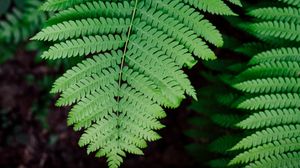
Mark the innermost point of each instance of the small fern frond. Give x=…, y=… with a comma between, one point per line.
x=268, y=135
x=271, y=101
x=267, y=150
x=288, y=160
x=287, y=14
x=291, y=2
x=280, y=54
x=276, y=29
x=85, y=45
x=93, y=9
x=21, y=24
x=271, y=69
x=74, y=29
x=270, y=118
x=270, y=85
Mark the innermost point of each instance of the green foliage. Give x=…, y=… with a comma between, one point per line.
x=275, y=13
x=291, y=2
x=215, y=105
x=268, y=135
x=269, y=118
x=136, y=50
x=281, y=160
x=281, y=54
x=19, y=21
x=266, y=150
x=263, y=95
x=271, y=88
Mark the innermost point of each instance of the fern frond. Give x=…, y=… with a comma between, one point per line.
x=85, y=27
x=291, y=2
x=271, y=101
x=87, y=85
x=135, y=51
x=178, y=31
x=270, y=85
x=93, y=9
x=267, y=89
x=169, y=45
x=288, y=160
x=133, y=132
x=280, y=54
x=276, y=29
x=271, y=69
x=267, y=150
x=269, y=118
x=85, y=45
x=87, y=110
x=191, y=18
x=268, y=135
x=21, y=24
x=85, y=68
x=287, y=14
x=147, y=87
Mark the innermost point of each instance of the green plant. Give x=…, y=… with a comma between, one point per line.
x=270, y=84
x=218, y=132
x=266, y=91
x=19, y=21
x=22, y=22
x=136, y=50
